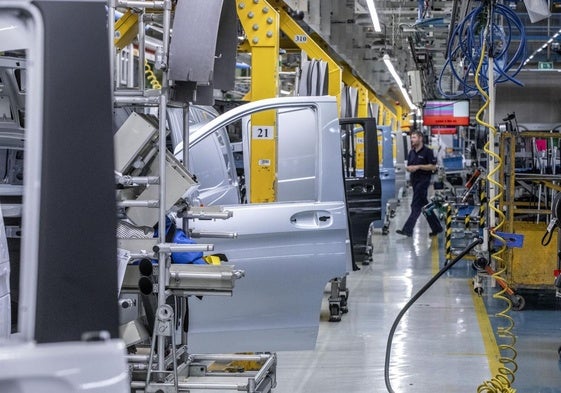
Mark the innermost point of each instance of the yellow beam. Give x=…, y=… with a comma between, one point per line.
x=126, y=29
x=399, y=118
x=362, y=110
x=312, y=49
x=260, y=22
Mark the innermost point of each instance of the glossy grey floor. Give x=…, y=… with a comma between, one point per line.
x=438, y=347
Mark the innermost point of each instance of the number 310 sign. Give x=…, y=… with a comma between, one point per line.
x=262, y=132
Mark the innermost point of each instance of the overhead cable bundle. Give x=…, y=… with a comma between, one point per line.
x=465, y=49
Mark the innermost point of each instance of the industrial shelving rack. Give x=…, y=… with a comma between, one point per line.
x=166, y=366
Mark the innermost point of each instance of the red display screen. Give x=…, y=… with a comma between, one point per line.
x=446, y=113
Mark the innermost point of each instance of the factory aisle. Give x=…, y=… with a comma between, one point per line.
x=445, y=342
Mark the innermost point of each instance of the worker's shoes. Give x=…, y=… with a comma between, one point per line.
x=400, y=232
x=432, y=234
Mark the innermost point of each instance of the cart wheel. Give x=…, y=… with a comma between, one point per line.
x=335, y=313
x=344, y=306
x=518, y=302
x=385, y=230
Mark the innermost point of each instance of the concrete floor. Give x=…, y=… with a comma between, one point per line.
x=446, y=342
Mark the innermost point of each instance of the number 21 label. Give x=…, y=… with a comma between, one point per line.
x=262, y=132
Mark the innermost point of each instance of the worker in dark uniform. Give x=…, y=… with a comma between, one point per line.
x=421, y=163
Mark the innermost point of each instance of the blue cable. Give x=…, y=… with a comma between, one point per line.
x=466, y=42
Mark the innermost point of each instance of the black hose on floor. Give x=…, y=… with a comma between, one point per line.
x=415, y=297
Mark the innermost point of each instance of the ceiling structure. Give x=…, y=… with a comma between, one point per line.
x=415, y=34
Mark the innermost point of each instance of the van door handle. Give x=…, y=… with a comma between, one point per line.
x=311, y=219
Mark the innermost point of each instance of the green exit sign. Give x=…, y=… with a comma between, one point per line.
x=545, y=65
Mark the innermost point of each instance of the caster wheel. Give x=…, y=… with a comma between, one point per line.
x=335, y=313
x=518, y=302
x=344, y=305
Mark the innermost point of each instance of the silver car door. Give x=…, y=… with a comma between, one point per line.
x=289, y=249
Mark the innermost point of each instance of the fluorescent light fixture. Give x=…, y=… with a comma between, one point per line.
x=397, y=79
x=374, y=15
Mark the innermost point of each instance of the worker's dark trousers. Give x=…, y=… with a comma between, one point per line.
x=418, y=201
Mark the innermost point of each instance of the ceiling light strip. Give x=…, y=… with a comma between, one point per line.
x=404, y=92
x=374, y=16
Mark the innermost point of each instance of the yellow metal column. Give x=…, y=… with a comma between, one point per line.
x=261, y=25
x=399, y=118
x=313, y=50
x=391, y=115
x=362, y=101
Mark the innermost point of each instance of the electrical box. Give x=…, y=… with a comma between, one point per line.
x=415, y=86
x=132, y=139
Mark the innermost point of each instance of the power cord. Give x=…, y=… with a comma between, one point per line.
x=415, y=297
x=467, y=43
x=501, y=382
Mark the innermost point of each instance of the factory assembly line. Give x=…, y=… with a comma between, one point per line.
x=168, y=293
x=173, y=219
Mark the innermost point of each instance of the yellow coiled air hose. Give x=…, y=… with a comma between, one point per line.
x=502, y=382
x=151, y=77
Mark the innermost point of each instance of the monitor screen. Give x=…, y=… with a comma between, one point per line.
x=446, y=113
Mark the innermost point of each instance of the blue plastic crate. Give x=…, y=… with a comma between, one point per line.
x=455, y=162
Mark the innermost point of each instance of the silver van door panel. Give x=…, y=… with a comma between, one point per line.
x=289, y=252
x=289, y=249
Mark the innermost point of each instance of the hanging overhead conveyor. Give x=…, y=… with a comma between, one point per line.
x=154, y=188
